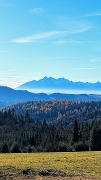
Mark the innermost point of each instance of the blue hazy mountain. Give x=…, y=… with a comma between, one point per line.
x=60, y=83
x=11, y=96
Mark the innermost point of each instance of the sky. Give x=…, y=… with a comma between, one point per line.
x=53, y=38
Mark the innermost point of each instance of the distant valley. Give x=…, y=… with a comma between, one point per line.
x=10, y=96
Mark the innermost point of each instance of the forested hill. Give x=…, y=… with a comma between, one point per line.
x=60, y=111
x=21, y=133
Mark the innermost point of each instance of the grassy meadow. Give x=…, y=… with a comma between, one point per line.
x=76, y=165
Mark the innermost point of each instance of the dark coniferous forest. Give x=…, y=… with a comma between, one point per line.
x=60, y=126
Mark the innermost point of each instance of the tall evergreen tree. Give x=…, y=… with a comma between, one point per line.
x=75, y=131
x=95, y=140
x=15, y=148
x=5, y=148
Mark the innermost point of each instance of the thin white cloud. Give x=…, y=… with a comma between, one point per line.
x=95, y=60
x=36, y=37
x=72, y=42
x=69, y=26
x=12, y=80
x=8, y=71
x=93, y=14
x=79, y=42
x=50, y=34
x=81, y=29
x=74, y=26
x=7, y=81
x=60, y=42
x=12, y=84
x=36, y=10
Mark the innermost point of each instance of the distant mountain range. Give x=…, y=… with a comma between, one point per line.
x=60, y=83
x=10, y=96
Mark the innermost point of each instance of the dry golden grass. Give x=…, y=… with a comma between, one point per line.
x=82, y=165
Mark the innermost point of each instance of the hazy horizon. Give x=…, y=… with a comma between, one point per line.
x=64, y=91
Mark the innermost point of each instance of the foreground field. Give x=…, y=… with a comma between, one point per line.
x=82, y=165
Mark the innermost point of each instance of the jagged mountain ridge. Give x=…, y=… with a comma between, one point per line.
x=60, y=83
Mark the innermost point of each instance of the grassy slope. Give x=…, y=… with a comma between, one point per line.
x=82, y=164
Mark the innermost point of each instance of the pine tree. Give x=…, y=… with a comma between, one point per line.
x=5, y=148
x=75, y=131
x=95, y=140
x=15, y=148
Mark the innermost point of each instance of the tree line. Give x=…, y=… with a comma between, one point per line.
x=22, y=133
x=64, y=111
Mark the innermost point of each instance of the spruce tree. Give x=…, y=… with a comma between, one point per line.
x=5, y=148
x=75, y=131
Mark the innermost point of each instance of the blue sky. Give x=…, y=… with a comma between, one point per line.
x=49, y=38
